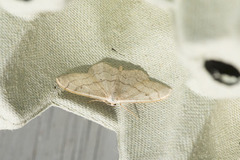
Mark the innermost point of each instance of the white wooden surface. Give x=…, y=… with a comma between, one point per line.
x=59, y=135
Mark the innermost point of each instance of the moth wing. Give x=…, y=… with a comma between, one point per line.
x=83, y=84
x=106, y=75
x=135, y=87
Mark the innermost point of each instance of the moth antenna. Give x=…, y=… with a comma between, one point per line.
x=129, y=111
x=135, y=106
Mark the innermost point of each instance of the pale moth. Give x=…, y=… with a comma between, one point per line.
x=114, y=86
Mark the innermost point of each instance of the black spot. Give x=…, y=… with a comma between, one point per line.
x=114, y=50
x=222, y=72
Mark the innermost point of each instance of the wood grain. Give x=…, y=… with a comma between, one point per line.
x=59, y=135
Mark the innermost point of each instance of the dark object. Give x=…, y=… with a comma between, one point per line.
x=222, y=72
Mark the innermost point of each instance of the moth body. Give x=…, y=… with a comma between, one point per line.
x=111, y=100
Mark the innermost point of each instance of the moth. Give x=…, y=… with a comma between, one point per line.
x=114, y=86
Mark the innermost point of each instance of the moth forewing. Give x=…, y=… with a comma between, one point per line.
x=114, y=86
